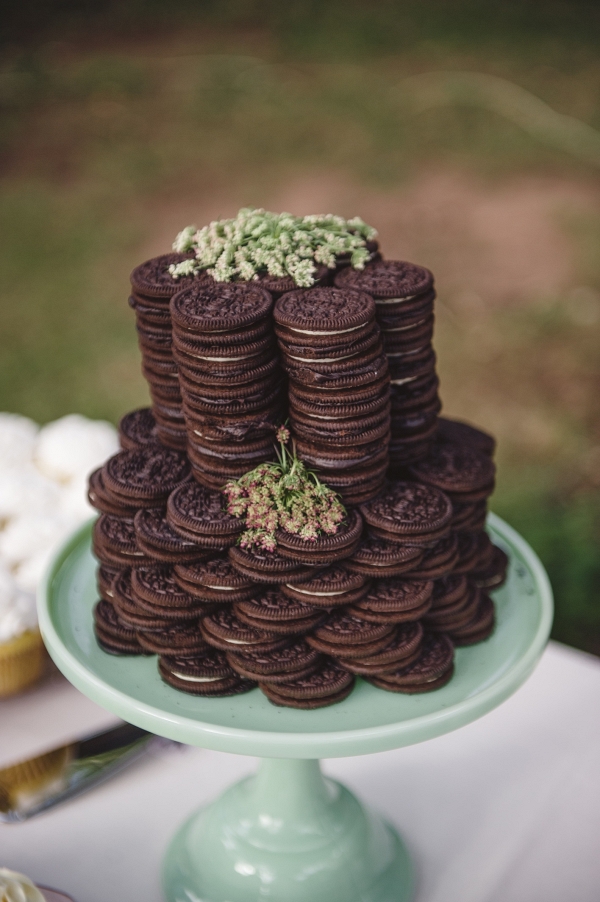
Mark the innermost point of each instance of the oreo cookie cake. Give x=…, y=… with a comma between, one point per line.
x=292, y=513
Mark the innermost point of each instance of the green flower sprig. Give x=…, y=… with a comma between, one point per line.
x=279, y=244
x=283, y=495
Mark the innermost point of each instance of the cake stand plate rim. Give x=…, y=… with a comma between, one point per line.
x=279, y=743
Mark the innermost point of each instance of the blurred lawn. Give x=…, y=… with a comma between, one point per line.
x=121, y=123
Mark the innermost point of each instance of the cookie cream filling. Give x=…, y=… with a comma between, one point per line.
x=221, y=588
x=403, y=381
x=320, y=332
x=318, y=594
x=195, y=679
x=406, y=353
x=405, y=328
x=409, y=297
x=15, y=887
x=321, y=359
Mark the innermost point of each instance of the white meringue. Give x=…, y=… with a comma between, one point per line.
x=17, y=438
x=16, y=887
x=74, y=446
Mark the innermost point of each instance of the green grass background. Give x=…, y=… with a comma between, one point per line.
x=112, y=113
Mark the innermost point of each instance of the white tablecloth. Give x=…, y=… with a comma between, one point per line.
x=506, y=809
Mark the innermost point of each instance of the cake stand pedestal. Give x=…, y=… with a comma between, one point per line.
x=287, y=834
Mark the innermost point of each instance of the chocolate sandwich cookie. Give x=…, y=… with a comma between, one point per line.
x=432, y=669
x=326, y=685
x=134, y=616
x=267, y=567
x=152, y=280
x=456, y=431
x=114, y=543
x=357, y=486
x=137, y=429
x=196, y=342
x=207, y=674
x=103, y=501
x=448, y=590
x=111, y=634
x=327, y=456
x=195, y=369
x=223, y=630
x=408, y=338
x=300, y=352
x=408, y=512
x=464, y=474
x=318, y=404
x=391, y=315
x=325, y=549
x=494, y=575
x=297, y=659
x=363, y=373
x=344, y=635
x=454, y=616
x=395, y=600
x=250, y=452
x=480, y=627
x=407, y=368
x=321, y=435
x=219, y=307
x=105, y=577
x=439, y=560
x=326, y=313
x=199, y=514
x=215, y=580
x=201, y=401
x=469, y=517
x=272, y=611
x=145, y=477
x=157, y=586
x=344, y=431
x=221, y=379
x=158, y=540
x=181, y=639
x=333, y=587
x=327, y=395
x=310, y=371
x=377, y=558
x=207, y=352
x=250, y=427
x=404, y=648
x=395, y=280
x=468, y=552
x=414, y=394
x=210, y=472
x=277, y=285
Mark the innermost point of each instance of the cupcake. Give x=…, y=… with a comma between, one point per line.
x=22, y=654
x=15, y=887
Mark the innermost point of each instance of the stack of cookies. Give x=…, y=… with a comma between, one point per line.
x=404, y=297
x=232, y=387
x=339, y=394
x=132, y=535
x=152, y=287
x=405, y=577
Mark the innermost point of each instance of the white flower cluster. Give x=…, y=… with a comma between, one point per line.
x=279, y=244
x=43, y=497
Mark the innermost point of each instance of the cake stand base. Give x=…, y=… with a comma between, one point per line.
x=287, y=834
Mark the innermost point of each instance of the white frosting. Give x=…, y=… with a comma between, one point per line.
x=16, y=887
x=74, y=446
x=25, y=489
x=30, y=534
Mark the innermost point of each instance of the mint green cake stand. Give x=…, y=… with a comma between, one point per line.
x=287, y=834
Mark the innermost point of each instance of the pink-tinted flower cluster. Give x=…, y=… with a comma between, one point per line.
x=285, y=496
